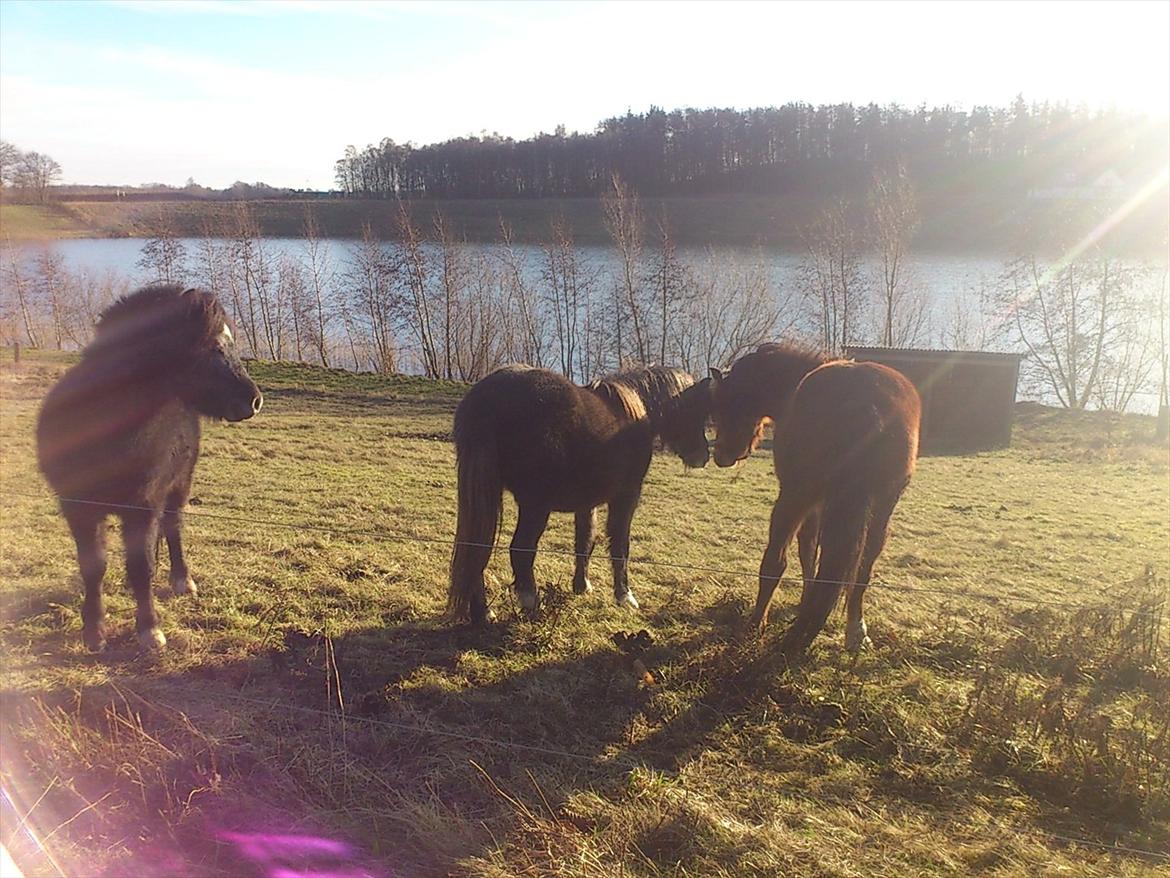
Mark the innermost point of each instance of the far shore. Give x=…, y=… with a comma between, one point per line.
x=774, y=222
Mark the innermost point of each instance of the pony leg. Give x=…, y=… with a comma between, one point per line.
x=172, y=524
x=856, y=631
x=89, y=533
x=808, y=538
x=843, y=539
x=617, y=527
x=586, y=537
x=139, y=536
x=529, y=528
x=787, y=515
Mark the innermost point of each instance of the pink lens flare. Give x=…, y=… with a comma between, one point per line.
x=286, y=855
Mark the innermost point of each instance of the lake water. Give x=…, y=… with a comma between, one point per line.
x=941, y=276
x=946, y=281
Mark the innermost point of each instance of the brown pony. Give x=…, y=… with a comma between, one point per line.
x=846, y=440
x=119, y=435
x=562, y=448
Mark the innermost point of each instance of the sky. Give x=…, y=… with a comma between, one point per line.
x=129, y=93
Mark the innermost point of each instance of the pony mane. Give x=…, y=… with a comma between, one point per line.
x=796, y=352
x=643, y=393
x=160, y=310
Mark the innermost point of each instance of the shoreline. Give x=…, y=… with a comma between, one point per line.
x=771, y=223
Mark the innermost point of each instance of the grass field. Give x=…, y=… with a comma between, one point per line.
x=712, y=220
x=313, y=711
x=23, y=222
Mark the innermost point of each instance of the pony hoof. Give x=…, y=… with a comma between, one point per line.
x=628, y=600
x=751, y=628
x=481, y=616
x=582, y=586
x=857, y=638
x=184, y=585
x=529, y=602
x=95, y=641
x=152, y=640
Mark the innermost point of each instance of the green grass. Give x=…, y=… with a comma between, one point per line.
x=22, y=222
x=975, y=734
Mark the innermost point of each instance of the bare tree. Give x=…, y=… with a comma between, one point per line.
x=18, y=284
x=34, y=173
x=257, y=297
x=1068, y=316
x=732, y=309
x=375, y=304
x=893, y=220
x=322, y=285
x=569, y=287
x=246, y=269
x=831, y=278
x=480, y=320
x=293, y=291
x=50, y=285
x=9, y=158
x=452, y=278
x=1127, y=367
x=622, y=216
x=415, y=277
x=965, y=316
x=527, y=331
x=669, y=281
x=164, y=257
x=93, y=294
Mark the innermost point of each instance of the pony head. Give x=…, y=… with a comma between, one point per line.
x=180, y=339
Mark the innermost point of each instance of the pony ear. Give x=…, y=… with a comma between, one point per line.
x=716, y=375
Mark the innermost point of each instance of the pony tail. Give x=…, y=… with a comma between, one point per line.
x=843, y=537
x=480, y=495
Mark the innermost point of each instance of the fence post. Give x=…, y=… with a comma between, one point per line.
x=16, y=353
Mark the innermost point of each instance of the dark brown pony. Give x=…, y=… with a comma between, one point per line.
x=845, y=444
x=119, y=435
x=558, y=447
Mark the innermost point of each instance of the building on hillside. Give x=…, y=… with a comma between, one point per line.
x=1106, y=186
x=968, y=397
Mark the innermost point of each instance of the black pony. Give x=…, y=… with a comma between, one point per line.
x=119, y=435
x=562, y=448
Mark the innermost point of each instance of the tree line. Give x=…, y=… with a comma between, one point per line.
x=26, y=175
x=762, y=150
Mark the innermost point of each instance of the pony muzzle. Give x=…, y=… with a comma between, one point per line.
x=725, y=459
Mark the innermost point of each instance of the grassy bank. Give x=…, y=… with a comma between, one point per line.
x=313, y=709
x=723, y=220
x=31, y=222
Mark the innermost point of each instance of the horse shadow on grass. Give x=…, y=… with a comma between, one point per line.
x=388, y=751
x=406, y=749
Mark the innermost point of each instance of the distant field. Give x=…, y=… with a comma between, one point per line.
x=21, y=222
x=313, y=689
x=717, y=220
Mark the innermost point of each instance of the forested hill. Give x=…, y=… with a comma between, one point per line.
x=774, y=150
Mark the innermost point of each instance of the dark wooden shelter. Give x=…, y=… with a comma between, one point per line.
x=968, y=397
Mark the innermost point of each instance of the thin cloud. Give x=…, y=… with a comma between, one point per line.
x=189, y=7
